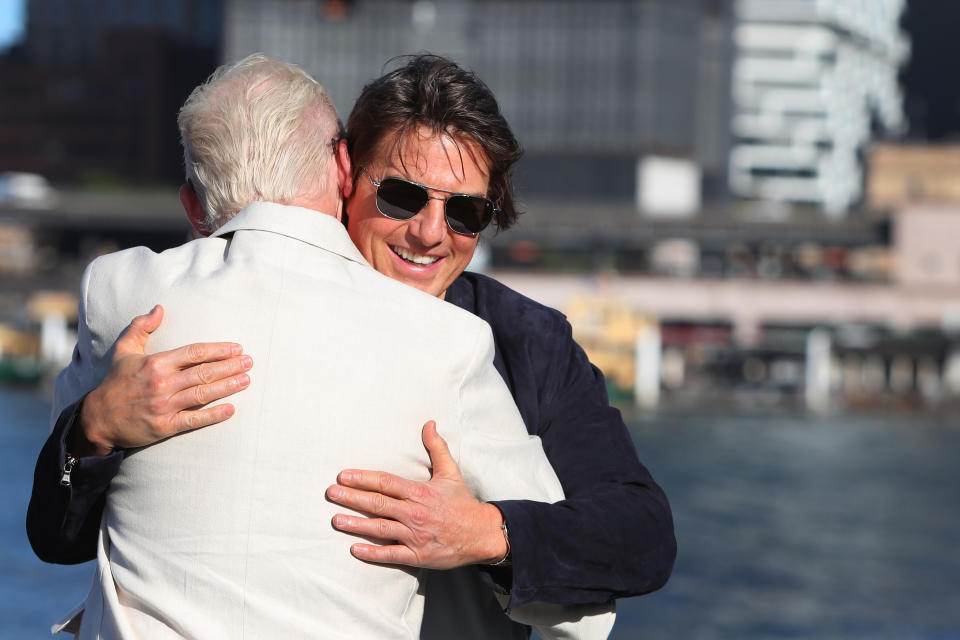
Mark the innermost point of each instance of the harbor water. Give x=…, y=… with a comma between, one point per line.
x=789, y=526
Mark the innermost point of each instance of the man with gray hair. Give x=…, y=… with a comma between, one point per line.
x=225, y=532
x=259, y=130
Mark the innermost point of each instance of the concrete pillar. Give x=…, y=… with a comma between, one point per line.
x=817, y=389
x=901, y=374
x=851, y=368
x=55, y=342
x=754, y=370
x=646, y=386
x=951, y=373
x=928, y=379
x=873, y=375
x=673, y=369
x=836, y=372
x=746, y=330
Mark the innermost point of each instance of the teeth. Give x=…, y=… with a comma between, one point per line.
x=414, y=257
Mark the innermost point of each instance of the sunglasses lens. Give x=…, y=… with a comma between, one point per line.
x=399, y=199
x=468, y=214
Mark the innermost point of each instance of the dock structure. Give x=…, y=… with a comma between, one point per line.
x=748, y=305
x=857, y=341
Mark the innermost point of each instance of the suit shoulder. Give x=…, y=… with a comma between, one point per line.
x=120, y=285
x=441, y=312
x=141, y=261
x=509, y=312
x=121, y=258
x=104, y=269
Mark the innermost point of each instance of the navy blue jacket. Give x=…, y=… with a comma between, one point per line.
x=612, y=536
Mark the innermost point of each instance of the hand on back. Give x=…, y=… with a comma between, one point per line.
x=147, y=398
x=437, y=524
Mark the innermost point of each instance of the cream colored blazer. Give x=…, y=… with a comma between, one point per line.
x=225, y=532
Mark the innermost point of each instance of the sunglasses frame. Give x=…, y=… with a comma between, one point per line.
x=427, y=189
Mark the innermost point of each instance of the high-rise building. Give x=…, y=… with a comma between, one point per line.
x=813, y=82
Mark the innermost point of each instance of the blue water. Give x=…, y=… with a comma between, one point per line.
x=791, y=527
x=844, y=527
x=33, y=595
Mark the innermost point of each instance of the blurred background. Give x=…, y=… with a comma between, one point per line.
x=748, y=209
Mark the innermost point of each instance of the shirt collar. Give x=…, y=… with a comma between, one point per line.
x=307, y=225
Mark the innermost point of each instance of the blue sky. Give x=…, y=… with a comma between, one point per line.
x=11, y=21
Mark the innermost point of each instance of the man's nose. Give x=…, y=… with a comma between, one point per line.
x=429, y=226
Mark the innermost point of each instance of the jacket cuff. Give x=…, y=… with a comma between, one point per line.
x=90, y=476
x=534, y=563
x=514, y=579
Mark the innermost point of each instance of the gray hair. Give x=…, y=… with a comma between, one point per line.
x=256, y=130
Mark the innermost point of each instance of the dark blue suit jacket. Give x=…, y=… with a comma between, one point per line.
x=612, y=536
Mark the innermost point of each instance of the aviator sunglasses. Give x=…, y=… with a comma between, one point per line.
x=400, y=199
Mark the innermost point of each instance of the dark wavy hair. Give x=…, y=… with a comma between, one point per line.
x=435, y=92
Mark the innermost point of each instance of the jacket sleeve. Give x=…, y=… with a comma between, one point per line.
x=499, y=459
x=613, y=535
x=63, y=517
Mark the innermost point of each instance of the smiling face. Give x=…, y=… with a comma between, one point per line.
x=422, y=252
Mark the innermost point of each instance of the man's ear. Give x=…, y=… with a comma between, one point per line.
x=344, y=170
x=195, y=214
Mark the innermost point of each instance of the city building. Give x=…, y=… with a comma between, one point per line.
x=92, y=92
x=916, y=185
x=71, y=34
x=812, y=81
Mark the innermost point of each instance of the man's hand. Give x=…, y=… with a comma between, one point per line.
x=145, y=399
x=436, y=524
